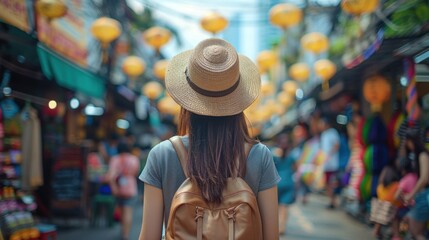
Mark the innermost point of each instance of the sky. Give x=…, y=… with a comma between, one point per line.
x=184, y=16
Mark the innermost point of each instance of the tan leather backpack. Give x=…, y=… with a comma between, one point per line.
x=237, y=217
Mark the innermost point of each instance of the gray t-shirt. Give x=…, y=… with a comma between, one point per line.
x=163, y=170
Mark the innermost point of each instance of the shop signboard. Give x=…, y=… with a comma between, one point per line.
x=68, y=192
x=70, y=34
x=14, y=12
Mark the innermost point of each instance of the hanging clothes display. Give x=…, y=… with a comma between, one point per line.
x=32, y=176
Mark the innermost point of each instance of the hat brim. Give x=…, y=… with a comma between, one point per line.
x=237, y=101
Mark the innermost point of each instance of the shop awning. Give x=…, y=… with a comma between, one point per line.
x=70, y=75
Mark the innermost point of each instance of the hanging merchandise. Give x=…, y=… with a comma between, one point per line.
x=16, y=220
x=356, y=159
x=412, y=106
x=375, y=156
x=31, y=149
x=376, y=90
x=393, y=139
x=9, y=108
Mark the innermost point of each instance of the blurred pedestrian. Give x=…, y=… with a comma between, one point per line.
x=123, y=169
x=285, y=164
x=109, y=147
x=408, y=181
x=419, y=212
x=213, y=85
x=307, y=164
x=330, y=145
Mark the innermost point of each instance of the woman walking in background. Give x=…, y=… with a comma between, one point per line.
x=123, y=169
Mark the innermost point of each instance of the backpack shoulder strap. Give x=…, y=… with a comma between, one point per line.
x=181, y=152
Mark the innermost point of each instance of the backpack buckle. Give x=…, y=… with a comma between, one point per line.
x=231, y=214
x=199, y=213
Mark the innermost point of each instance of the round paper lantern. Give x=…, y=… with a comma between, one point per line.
x=324, y=69
x=285, y=15
x=266, y=60
x=267, y=88
x=299, y=72
x=106, y=30
x=359, y=7
x=133, y=66
x=276, y=107
x=290, y=87
x=168, y=106
x=285, y=98
x=315, y=42
x=213, y=22
x=159, y=69
x=156, y=37
x=152, y=90
x=263, y=113
x=51, y=8
x=376, y=90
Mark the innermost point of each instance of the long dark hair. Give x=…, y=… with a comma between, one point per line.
x=215, y=145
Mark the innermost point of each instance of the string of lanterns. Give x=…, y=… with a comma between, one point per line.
x=284, y=15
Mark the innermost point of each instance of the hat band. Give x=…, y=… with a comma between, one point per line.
x=208, y=93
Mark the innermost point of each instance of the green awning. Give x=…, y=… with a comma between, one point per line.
x=69, y=75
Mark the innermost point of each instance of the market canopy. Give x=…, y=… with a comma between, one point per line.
x=70, y=75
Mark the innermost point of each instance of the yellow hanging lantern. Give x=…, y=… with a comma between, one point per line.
x=359, y=7
x=133, y=66
x=285, y=15
x=106, y=30
x=299, y=72
x=324, y=69
x=168, y=106
x=152, y=90
x=267, y=88
x=315, y=42
x=266, y=60
x=159, y=69
x=377, y=90
x=274, y=107
x=285, y=99
x=156, y=37
x=213, y=22
x=278, y=108
x=290, y=87
x=51, y=9
x=263, y=114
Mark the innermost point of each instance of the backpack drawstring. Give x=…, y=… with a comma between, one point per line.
x=231, y=220
x=199, y=214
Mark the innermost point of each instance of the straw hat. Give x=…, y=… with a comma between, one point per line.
x=212, y=79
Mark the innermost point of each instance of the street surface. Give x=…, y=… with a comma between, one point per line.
x=311, y=221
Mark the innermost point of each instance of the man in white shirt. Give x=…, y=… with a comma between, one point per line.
x=330, y=144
